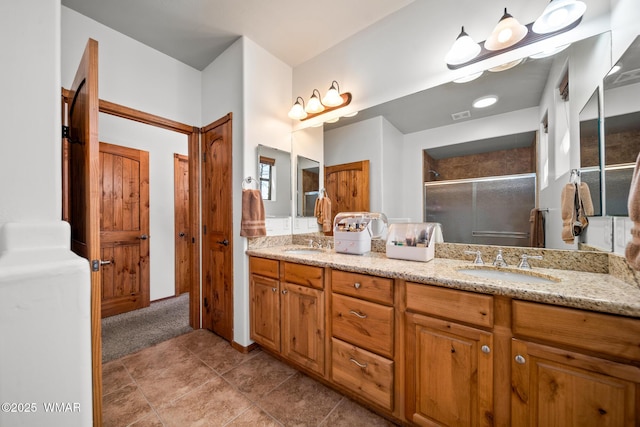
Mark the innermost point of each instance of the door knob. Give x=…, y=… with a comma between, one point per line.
x=143, y=237
x=181, y=234
x=223, y=242
x=103, y=262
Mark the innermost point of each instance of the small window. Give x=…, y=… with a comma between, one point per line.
x=267, y=172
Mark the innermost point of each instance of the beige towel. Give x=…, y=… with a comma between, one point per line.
x=568, y=212
x=327, y=220
x=252, y=224
x=585, y=198
x=317, y=210
x=632, y=251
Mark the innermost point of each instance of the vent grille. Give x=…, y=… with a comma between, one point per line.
x=461, y=115
x=628, y=76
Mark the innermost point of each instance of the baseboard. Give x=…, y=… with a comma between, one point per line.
x=243, y=349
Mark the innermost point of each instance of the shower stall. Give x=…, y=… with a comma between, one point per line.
x=489, y=211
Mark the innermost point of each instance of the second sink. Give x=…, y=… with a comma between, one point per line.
x=511, y=276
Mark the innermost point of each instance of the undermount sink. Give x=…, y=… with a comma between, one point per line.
x=511, y=276
x=302, y=251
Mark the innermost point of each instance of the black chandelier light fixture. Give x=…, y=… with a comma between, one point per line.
x=558, y=17
x=316, y=106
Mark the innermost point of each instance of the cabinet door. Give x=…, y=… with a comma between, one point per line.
x=553, y=387
x=303, y=326
x=449, y=373
x=265, y=311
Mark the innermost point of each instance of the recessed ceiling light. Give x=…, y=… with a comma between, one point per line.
x=485, y=101
x=468, y=78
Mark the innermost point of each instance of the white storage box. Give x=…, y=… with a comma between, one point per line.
x=413, y=241
x=353, y=231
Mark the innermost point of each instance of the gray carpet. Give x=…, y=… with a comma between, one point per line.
x=129, y=332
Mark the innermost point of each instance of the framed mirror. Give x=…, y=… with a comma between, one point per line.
x=308, y=185
x=274, y=180
x=590, y=145
x=621, y=129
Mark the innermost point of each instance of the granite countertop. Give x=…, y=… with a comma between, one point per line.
x=591, y=291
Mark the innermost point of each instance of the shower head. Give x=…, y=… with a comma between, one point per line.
x=436, y=174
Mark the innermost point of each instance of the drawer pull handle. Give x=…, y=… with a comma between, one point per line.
x=360, y=315
x=360, y=365
x=357, y=285
x=521, y=360
x=485, y=349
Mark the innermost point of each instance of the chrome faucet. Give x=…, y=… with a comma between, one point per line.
x=478, y=255
x=315, y=244
x=499, y=261
x=524, y=260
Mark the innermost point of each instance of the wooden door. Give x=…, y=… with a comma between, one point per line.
x=83, y=195
x=557, y=388
x=264, y=294
x=124, y=228
x=181, y=221
x=217, y=229
x=347, y=186
x=303, y=325
x=449, y=373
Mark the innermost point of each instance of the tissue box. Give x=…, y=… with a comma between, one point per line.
x=412, y=241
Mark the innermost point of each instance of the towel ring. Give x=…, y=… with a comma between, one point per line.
x=248, y=181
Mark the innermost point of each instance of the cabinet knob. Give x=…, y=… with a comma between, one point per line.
x=520, y=359
x=274, y=289
x=485, y=349
x=357, y=285
x=284, y=291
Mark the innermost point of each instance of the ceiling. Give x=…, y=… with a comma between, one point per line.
x=197, y=31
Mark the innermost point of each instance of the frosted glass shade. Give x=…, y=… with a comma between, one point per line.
x=507, y=33
x=464, y=49
x=297, y=111
x=314, y=105
x=332, y=98
x=557, y=15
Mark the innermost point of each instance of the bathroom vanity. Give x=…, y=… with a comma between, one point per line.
x=430, y=344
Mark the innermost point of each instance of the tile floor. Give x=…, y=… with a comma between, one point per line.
x=198, y=379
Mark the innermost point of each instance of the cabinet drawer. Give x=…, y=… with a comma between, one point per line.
x=264, y=267
x=602, y=333
x=366, y=374
x=363, y=323
x=371, y=288
x=305, y=275
x=462, y=306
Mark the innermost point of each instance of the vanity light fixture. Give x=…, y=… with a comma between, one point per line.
x=507, y=33
x=314, y=106
x=559, y=14
x=297, y=110
x=485, y=101
x=558, y=17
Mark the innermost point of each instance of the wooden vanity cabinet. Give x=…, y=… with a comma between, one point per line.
x=288, y=315
x=573, y=367
x=362, y=325
x=449, y=357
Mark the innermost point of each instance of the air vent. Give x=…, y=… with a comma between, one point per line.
x=461, y=115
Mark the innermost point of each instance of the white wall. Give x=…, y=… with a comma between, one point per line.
x=131, y=73
x=161, y=145
x=30, y=45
